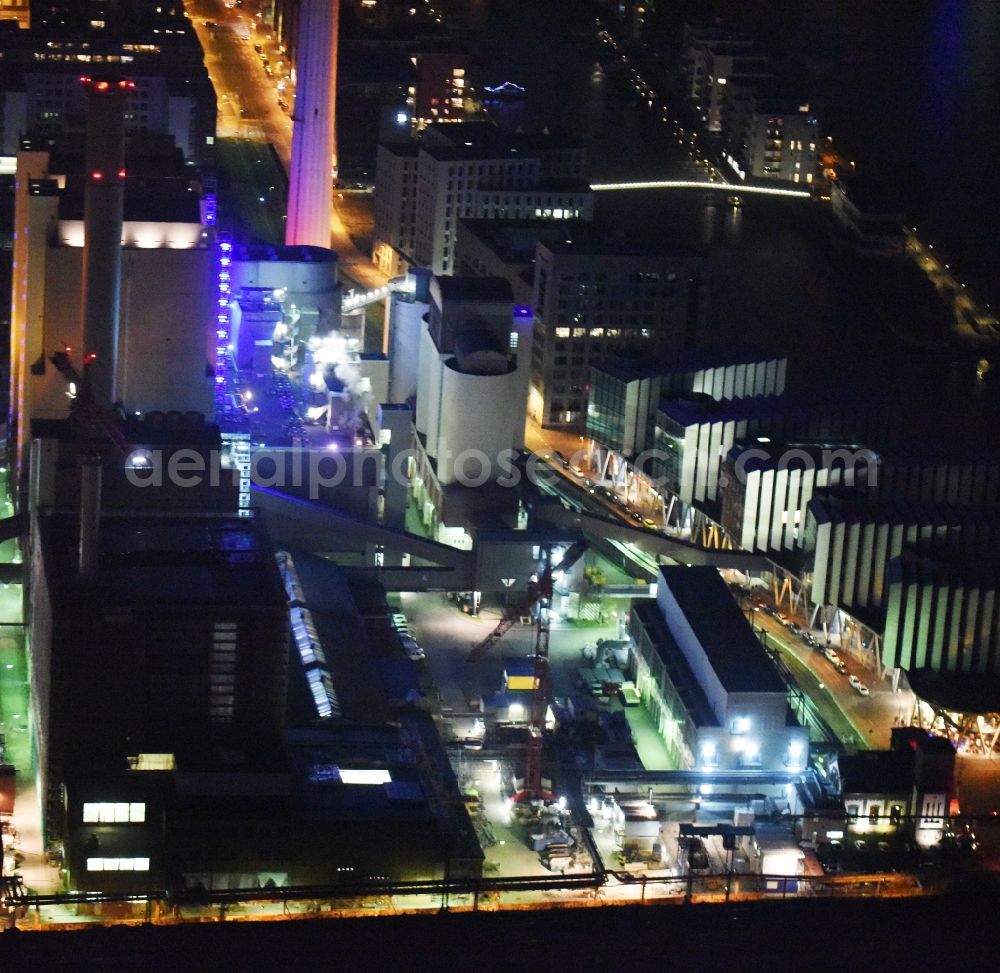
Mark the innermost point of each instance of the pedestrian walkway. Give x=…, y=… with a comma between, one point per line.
x=648, y=742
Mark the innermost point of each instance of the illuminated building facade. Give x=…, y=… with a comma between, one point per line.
x=782, y=141
x=767, y=488
x=167, y=299
x=469, y=171
x=712, y=693
x=19, y=10
x=439, y=89
x=595, y=298
x=314, y=138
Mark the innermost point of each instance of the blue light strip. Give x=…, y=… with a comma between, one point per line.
x=222, y=322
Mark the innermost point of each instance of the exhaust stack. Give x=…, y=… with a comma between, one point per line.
x=102, y=215
x=314, y=136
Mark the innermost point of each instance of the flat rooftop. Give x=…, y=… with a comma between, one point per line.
x=155, y=200
x=737, y=658
x=161, y=559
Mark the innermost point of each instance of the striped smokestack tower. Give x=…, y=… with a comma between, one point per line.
x=102, y=217
x=314, y=139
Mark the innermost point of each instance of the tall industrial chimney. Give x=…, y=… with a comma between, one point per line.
x=314, y=138
x=102, y=217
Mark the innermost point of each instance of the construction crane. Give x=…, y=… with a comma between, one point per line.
x=532, y=788
x=513, y=612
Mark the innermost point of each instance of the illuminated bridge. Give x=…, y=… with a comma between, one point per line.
x=720, y=187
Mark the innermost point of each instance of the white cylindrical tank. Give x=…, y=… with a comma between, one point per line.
x=407, y=319
x=479, y=419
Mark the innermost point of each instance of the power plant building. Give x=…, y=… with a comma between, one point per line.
x=713, y=694
x=166, y=298
x=472, y=384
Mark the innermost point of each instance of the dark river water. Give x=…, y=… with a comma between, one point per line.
x=912, y=97
x=909, y=89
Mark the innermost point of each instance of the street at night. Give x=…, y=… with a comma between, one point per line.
x=469, y=463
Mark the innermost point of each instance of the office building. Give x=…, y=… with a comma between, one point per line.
x=854, y=539
x=506, y=248
x=395, y=218
x=732, y=76
x=596, y=297
x=469, y=171
x=154, y=43
x=707, y=682
x=943, y=614
x=697, y=45
x=439, y=87
x=693, y=435
x=775, y=139
x=625, y=391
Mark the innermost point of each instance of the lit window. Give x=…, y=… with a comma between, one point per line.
x=562, y=332
x=873, y=814
x=152, y=761
x=117, y=864
x=120, y=812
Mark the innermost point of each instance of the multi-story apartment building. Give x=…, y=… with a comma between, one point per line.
x=776, y=139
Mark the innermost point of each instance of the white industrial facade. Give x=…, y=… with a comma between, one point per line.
x=854, y=541
x=472, y=380
x=167, y=301
x=715, y=697
x=943, y=615
x=767, y=488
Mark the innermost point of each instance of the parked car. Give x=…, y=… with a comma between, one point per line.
x=412, y=648
x=858, y=686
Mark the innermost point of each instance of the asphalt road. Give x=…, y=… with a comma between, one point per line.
x=249, y=110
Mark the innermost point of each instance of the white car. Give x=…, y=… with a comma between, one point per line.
x=858, y=685
x=831, y=655
x=412, y=648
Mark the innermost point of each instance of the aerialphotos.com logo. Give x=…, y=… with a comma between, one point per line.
x=319, y=469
